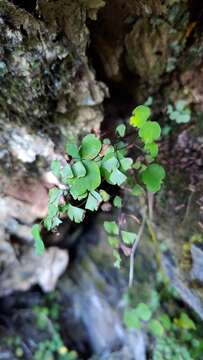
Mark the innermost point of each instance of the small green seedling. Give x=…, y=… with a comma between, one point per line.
x=180, y=113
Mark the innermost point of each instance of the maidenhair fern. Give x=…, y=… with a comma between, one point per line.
x=97, y=162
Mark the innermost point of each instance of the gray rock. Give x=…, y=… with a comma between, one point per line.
x=189, y=296
x=48, y=93
x=89, y=296
x=25, y=147
x=32, y=269
x=197, y=263
x=22, y=232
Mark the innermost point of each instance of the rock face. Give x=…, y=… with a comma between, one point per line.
x=92, y=299
x=32, y=270
x=45, y=79
x=180, y=232
x=48, y=93
x=197, y=263
x=147, y=49
x=186, y=293
x=87, y=306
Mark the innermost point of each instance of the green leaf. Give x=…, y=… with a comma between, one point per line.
x=121, y=129
x=105, y=196
x=170, y=109
x=109, y=150
x=56, y=167
x=93, y=177
x=166, y=130
x=153, y=177
x=111, y=227
x=52, y=210
x=131, y=320
x=184, y=322
x=71, y=181
x=128, y=237
x=90, y=147
x=154, y=300
x=174, y=115
x=140, y=115
x=117, y=201
x=75, y=213
x=108, y=155
x=39, y=245
x=149, y=101
x=181, y=113
x=156, y=328
x=181, y=105
x=78, y=188
x=113, y=241
x=117, y=261
x=63, y=208
x=105, y=175
x=55, y=195
x=110, y=164
x=51, y=221
x=106, y=141
x=83, y=196
x=183, y=118
x=143, y=312
x=56, y=222
x=48, y=223
x=137, y=190
x=93, y=201
x=66, y=174
x=126, y=163
x=150, y=132
x=79, y=169
x=89, y=182
x=121, y=149
x=97, y=195
x=72, y=150
x=117, y=177
x=165, y=321
x=152, y=149
x=137, y=165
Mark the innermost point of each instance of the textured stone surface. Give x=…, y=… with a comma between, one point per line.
x=95, y=306
x=197, y=263
x=48, y=93
x=147, y=49
x=44, y=77
x=143, y=43
x=32, y=269
x=187, y=294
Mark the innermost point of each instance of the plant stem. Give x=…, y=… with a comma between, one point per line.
x=134, y=247
x=150, y=197
x=188, y=207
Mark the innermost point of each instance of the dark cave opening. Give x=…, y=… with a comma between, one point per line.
x=30, y=6
x=118, y=105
